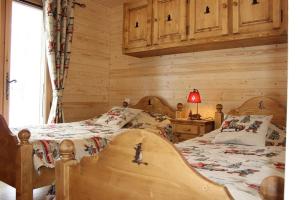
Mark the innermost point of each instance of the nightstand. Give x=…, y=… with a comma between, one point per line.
x=184, y=129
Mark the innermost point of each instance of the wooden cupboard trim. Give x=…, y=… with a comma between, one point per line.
x=183, y=19
x=231, y=34
x=182, y=28
x=235, y=16
x=223, y=28
x=149, y=19
x=224, y=42
x=225, y=15
x=277, y=12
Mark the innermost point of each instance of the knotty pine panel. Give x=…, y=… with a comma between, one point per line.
x=228, y=76
x=86, y=90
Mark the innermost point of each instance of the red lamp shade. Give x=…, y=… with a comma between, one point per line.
x=194, y=97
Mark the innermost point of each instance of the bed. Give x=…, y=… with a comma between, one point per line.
x=142, y=165
x=24, y=163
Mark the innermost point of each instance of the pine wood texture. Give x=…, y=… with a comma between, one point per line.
x=2, y=55
x=5, y=25
x=162, y=174
x=155, y=105
x=228, y=76
x=16, y=164
x=185, y=129
x=137, y=24
x=86, y=90
x=272, y=188
x=263, y=106
x=208, y=18
x=186, y=26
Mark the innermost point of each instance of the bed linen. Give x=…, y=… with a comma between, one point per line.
x=240, y=168
x=89, y=138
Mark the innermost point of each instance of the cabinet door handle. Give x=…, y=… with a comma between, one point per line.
x=187, y=130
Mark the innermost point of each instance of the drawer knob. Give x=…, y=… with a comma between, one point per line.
x=235, y=3
x=224, y=5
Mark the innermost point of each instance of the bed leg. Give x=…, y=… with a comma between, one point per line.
x=24, y=163
x=62, y=175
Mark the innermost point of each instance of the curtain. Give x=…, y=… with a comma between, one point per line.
x=58, y=21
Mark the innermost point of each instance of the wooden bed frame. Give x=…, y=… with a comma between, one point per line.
x=16, y=163
x=143, y=165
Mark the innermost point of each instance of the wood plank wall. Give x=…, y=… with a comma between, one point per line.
x=228, y=76
x=86, y=91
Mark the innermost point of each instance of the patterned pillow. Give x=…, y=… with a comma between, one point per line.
x=117, y=117
x=276, y=136
x=148, y=120
x=245, y=129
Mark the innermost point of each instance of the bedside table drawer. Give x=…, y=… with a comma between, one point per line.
x=183, y=137
x=189, y=129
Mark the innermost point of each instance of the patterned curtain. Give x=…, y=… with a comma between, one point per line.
x=58, y=20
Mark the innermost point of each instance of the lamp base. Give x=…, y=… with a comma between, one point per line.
x=195, y=117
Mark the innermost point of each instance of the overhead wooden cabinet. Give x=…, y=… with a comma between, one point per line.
x=208, y=18
x=169, y=21
x=180, y=26
x=137, y=24
x=256, y=15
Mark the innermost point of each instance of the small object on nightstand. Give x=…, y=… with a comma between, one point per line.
x=185, y=129
x=179, y=111
x=194, y=97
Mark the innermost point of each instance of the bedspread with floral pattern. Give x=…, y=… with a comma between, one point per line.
x=88, y=137
x=240, y=168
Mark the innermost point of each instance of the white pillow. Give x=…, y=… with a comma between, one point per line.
x=117, y=117
x=245, y=130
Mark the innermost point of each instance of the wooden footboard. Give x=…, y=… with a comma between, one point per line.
x=136, y=165
x=16, y=161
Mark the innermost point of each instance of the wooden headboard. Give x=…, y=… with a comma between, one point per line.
x=156, y=105
x=263, y=106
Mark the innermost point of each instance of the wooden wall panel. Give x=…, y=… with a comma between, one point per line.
x=101, y=76
x=227, y=76
x=86, y=91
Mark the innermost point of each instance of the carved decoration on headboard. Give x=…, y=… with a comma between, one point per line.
x=156, y=105
x=263, y=106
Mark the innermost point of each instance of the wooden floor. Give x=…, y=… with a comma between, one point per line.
x=9, y=193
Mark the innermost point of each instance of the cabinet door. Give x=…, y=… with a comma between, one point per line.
x=169, y=21
x=256, y=15
x=208, y=18
x=137, y=24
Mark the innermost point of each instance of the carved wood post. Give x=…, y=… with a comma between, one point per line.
x=219, y=116
x=24, y=164
x=62, y=177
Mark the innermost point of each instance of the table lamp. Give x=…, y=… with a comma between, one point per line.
x=194, y=97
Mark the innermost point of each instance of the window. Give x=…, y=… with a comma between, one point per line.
x=26, y=102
